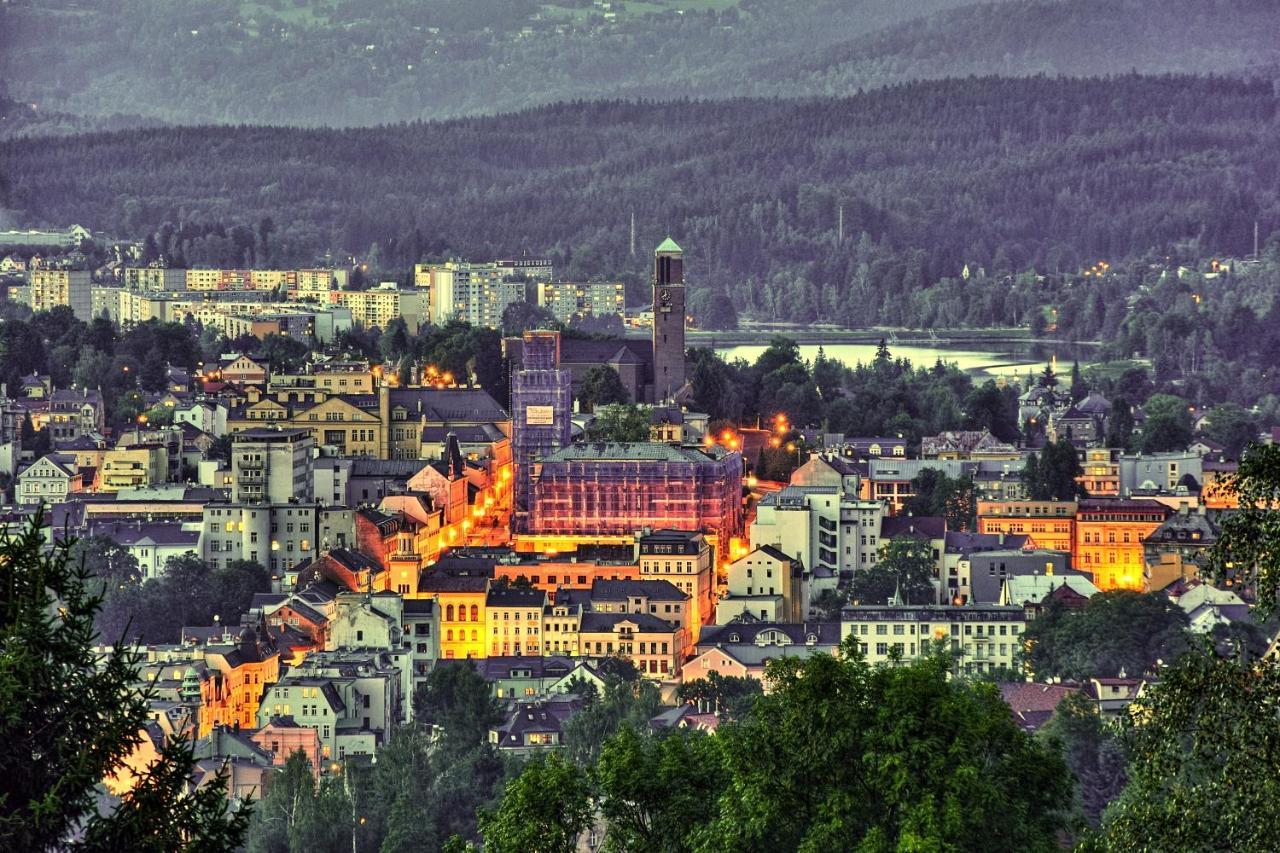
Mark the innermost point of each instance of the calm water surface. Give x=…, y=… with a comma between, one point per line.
x=1012, y=362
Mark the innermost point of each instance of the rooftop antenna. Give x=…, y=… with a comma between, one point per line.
x=633, y=233
x=1255, y=239
x=840, y=227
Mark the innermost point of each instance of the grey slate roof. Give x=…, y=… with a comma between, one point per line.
x=621, y=590
x=637, y=451
x=593, y=622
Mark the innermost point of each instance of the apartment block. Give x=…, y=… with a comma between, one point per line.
x=988, y=637
x=568, y=300
x=50, y=288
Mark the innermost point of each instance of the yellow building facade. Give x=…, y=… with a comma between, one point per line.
x=1109, y=540
x=1050, y=524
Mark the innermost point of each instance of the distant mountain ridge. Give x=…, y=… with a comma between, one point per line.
x=366, y=62
x=1027, y=37
x=342, y=63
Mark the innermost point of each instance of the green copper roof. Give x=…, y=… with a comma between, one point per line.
x=668, y=245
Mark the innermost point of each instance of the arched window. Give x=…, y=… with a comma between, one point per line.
x=462, y=613
x=475, y=613
x=448, y=615
x=448, y=636
x=474, y=635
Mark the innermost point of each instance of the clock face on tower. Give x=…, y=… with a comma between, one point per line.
x=665, y=297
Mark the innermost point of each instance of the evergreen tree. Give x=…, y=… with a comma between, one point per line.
x=1051, y=475
x=602, y=386
x=1120, y=425
x=72, y=716
x=1079, y=387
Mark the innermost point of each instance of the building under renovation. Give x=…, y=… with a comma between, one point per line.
x=541, y=403
x=603, y=489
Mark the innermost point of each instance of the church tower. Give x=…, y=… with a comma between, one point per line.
x=668, y=320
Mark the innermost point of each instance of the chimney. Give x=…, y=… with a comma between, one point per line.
x=454, y=450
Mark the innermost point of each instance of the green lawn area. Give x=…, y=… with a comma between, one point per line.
x=637, y=7
x=642, y=8
x=703, y=5
x=568, y=13
x=1113, y=369
x=305, y=15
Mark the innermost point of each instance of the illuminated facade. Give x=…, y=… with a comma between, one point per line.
x=1050, y=524
x=686, y=561
x=654, y=645
x=385, y=425
x=573, y=570
x=460, y=602
x=514, y=618
x=232, y=682
x=1100, y=472
x=1109, y=539
x=609, y=489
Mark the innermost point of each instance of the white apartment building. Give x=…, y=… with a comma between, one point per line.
x=987, y=637
x=831, y=532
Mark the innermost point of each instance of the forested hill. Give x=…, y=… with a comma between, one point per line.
x=1003, y=174
x=1019, y=37
x=359, y=62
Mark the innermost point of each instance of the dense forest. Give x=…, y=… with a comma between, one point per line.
x=338, y=62
x=998, y=175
